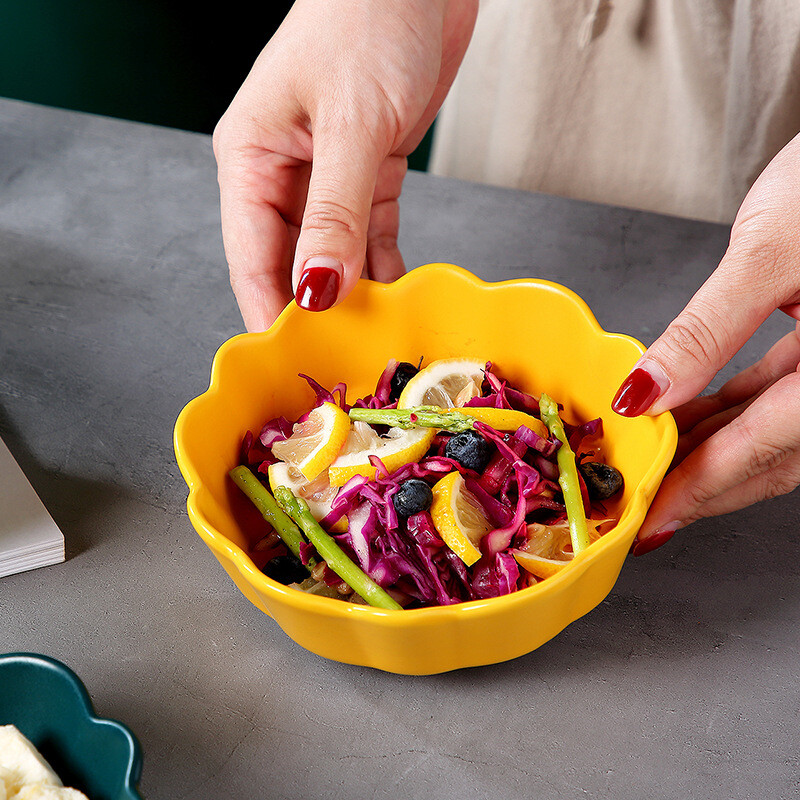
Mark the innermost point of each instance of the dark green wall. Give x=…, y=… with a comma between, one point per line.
x=170, y=63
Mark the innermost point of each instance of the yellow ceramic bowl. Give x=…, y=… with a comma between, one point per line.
x=540, y=335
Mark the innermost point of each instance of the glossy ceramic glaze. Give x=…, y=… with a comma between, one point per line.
x=541, y=336
x=49, y=705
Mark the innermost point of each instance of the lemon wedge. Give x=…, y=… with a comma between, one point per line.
x=539, y=566
x=319, y=494
x=504, y=419
x=316, y=441
x=548, y=548
x=458, y=517
x=396, y=449
x=445, y=383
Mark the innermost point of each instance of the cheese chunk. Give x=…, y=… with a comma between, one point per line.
x=25, y=775
x=22, y=763
x=43, y=791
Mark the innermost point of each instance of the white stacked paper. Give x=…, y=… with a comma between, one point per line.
x=28, y=536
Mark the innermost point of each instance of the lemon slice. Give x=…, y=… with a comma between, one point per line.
x=458, y=517
x=319, y=494
x=548, y=548
x=399, y=447
x=505, y=419
x=538, y=565
x=316, y=441
x=445, y=383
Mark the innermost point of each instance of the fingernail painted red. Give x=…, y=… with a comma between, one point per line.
x=317, y=289
x=652, y=542
x=637, y=393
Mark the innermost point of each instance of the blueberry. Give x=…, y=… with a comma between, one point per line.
x=602, y=480
x=413, y=496
x=470, y=449
x=402, y=375
x=286, y=569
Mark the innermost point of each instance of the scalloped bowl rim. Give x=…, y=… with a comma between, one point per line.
x=133, y=767
x=490, y=606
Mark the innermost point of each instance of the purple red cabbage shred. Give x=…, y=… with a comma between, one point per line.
x=407, y=556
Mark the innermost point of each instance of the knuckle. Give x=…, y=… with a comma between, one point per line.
x=697, y=494
x=383, y=241
x=691, y=489
x=691, y=335
x=330, y=217
x=220, y=137
x=766, y=455
x=344, y=112
x=748, y=239
x=369, y=117
x=217, y=136
x=770, y=455
x=759, y=248
x=779, y=483
x=393, y=109
x=229, y=146
x=242, y=282
x=773, y=464
x=261, y=285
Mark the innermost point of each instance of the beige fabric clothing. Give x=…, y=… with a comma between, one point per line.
x=665, y=105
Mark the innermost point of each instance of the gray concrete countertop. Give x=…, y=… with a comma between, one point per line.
x=114, y=296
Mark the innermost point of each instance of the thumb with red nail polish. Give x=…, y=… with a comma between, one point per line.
x=332, y=244
x=640, y=390
x=312, y=151
x=740, y=444
x=319, y=282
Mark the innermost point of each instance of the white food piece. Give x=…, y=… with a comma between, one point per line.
x=25, y=775
x=43, y=791
x=22, y=762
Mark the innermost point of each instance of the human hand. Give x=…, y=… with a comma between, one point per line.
x=741, y=444
x=312, y=151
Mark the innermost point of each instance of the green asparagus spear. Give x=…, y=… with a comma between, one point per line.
x=419, y=416
x=270, y=510
x=567, y=477
x=336, y=558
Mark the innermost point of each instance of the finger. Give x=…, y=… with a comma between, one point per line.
x=780, y=479
x=690, y=440
x=781, y=359
x=257, y=249
x=701, y=418
x=331, y=247
x=753, y=279
x=383, y=255
x=748, y=460
x=695, y=346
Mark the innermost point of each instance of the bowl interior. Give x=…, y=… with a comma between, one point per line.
x=541, y=336
x=546, y=340
x=49, y=705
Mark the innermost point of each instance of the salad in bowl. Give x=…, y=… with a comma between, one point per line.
x=446, y=484
x=516, y=342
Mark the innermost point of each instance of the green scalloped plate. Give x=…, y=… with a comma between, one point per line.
x=49, y=704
